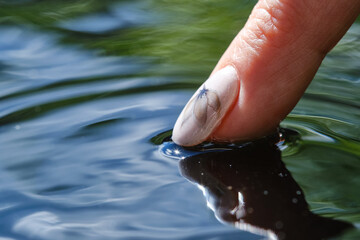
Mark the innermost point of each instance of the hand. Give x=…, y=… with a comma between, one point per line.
x=265, y=70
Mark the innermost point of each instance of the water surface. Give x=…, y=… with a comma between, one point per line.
x=86, y=87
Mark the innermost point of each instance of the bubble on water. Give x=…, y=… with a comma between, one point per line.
x=279, y=224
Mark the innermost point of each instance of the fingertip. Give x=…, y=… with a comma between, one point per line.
x=207, y=107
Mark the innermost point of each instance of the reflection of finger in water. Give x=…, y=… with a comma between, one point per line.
x=251, y=189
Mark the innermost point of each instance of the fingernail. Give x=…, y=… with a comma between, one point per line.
x=206, y=108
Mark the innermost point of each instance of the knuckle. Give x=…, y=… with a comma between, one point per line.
x=273, y=18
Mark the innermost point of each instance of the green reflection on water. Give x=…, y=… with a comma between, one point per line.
x=187, y=39
x=45, y=14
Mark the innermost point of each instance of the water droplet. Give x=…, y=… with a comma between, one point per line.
x=279, y=224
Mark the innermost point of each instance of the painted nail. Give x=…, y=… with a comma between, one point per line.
x=206, y=108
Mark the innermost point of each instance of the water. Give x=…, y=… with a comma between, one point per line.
x=90, y=89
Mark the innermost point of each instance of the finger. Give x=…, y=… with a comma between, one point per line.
x=275, y=57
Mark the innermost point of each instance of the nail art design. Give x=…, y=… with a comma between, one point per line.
x=205, y=110
x=199, y=105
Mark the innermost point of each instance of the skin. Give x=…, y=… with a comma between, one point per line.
x=276, y=55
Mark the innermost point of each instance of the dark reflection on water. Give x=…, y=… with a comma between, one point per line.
x=251, y=188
